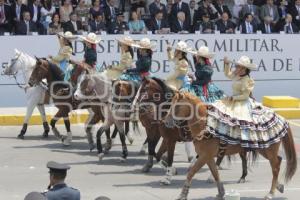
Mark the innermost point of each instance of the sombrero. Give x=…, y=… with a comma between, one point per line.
x=91, y=38
x=67, y=35
x=126, y=40
x=203, y=51
x=246, y=62
x=144, y=43
x=182, y=46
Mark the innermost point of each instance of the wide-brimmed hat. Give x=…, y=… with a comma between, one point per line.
x=246, y=62
x=126, y=40
x=182, y=46
x=144, y=43
x=203, y=51
x=67, y=35
x=91, y=38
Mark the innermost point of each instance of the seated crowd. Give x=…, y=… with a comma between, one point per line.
x=25, y=17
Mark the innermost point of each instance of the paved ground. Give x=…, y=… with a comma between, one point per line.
x=22, y=169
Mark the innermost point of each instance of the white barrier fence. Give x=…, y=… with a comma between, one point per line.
x=276, y=56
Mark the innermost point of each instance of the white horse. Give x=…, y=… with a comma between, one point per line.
x=23, y=65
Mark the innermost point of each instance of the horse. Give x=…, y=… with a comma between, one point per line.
x=23, y=65
x=185, y=105
x=97, y=86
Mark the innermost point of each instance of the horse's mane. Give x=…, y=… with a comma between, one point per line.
x=191, y=97
x=57, y=73
x=166, y=89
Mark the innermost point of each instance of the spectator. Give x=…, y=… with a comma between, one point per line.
x=136, y=25
x=74, y=25
x=169, y=11
x=47, y=12
x=97, y=25
x=119, y=26
x=177, y=7
x=17, y=10
x=224, y=25
x=57, y=187
x=156, y=6
x=248, y=26
x=158, y=24
x=267, y=27
x=295, y=12
x=181, y=25
x=221, y=7
x=237, y=7
x=25, y=26
x=269, y=9
x=250, y=8
x=65, y=10
x=110, y=12
x=96, y=9
x=192, y=13
x=206, y=25
x=5, y=18
x=282, y=9
x=205, y=7
x=82, y=12
x=35, y=14
x=55, y=26
x=288, y=26
x=138, y=6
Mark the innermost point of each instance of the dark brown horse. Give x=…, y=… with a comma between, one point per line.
x=61, y=93
x=188, y=106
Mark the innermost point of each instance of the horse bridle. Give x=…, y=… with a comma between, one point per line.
x=14, y=75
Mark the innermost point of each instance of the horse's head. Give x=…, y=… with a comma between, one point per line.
x=15, y=64
x=123, y=90
x=39, y=72
x=86, y=87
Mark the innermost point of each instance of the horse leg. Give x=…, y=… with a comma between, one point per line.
x=152, y=142
x=243, y=155
x=120, y=126
x=42, y=111
x=161, y=156
x=170, y=170
x=67, y=140
x=114, y=134
x=189, y=150
x=214, y=171
x=53, y=121
x=91, y=122
x=109, y=142
x=202, y=160
x=143, y=150
x=29, y=111
x=128, y=133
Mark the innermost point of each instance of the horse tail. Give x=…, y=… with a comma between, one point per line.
x=136, y=128
x=291, y=155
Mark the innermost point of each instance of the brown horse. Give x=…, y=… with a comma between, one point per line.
x=61, y=93
x=187, y=106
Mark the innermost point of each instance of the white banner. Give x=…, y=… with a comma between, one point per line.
x=276, y=55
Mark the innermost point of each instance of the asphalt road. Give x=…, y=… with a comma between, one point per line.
x=23, y=169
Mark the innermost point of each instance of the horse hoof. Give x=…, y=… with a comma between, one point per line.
x=122, y=160
x=242, y=180
x=130, y=139
x=45, y=135
x=91, y=147
x=21, y=136
x=210, y=180
x=163, y=164
x=219, y=197
x=280, y=188
x=182, y=197
x=146, y=168
x=165, y=181
x=220, y=168
x=269, y=196
x=100, y=156
x=142, y=152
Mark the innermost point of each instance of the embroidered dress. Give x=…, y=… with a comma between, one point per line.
x=125, y=63
x=203, y=87
x=244, y=121
x=179, y=78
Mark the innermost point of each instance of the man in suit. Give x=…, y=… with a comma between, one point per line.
x=181, y=25
x=294, y=10
x=267, y=27
x=17, y=10
x=192, y=13
x=110, y=12
x=248, y=26
x=97, y=25
x=206, y=25
x=35, y=13
x=156, y=6
x=288, y=26
x=57, y=188
x=158, y=23
x=224, y=25
x=180, y=6
x=5, y=18
x=119, y=26
x=269, y=9
x=25, y=26
x=205, y=7
x=221, y=7
x=250, y=8
x=74, y=25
